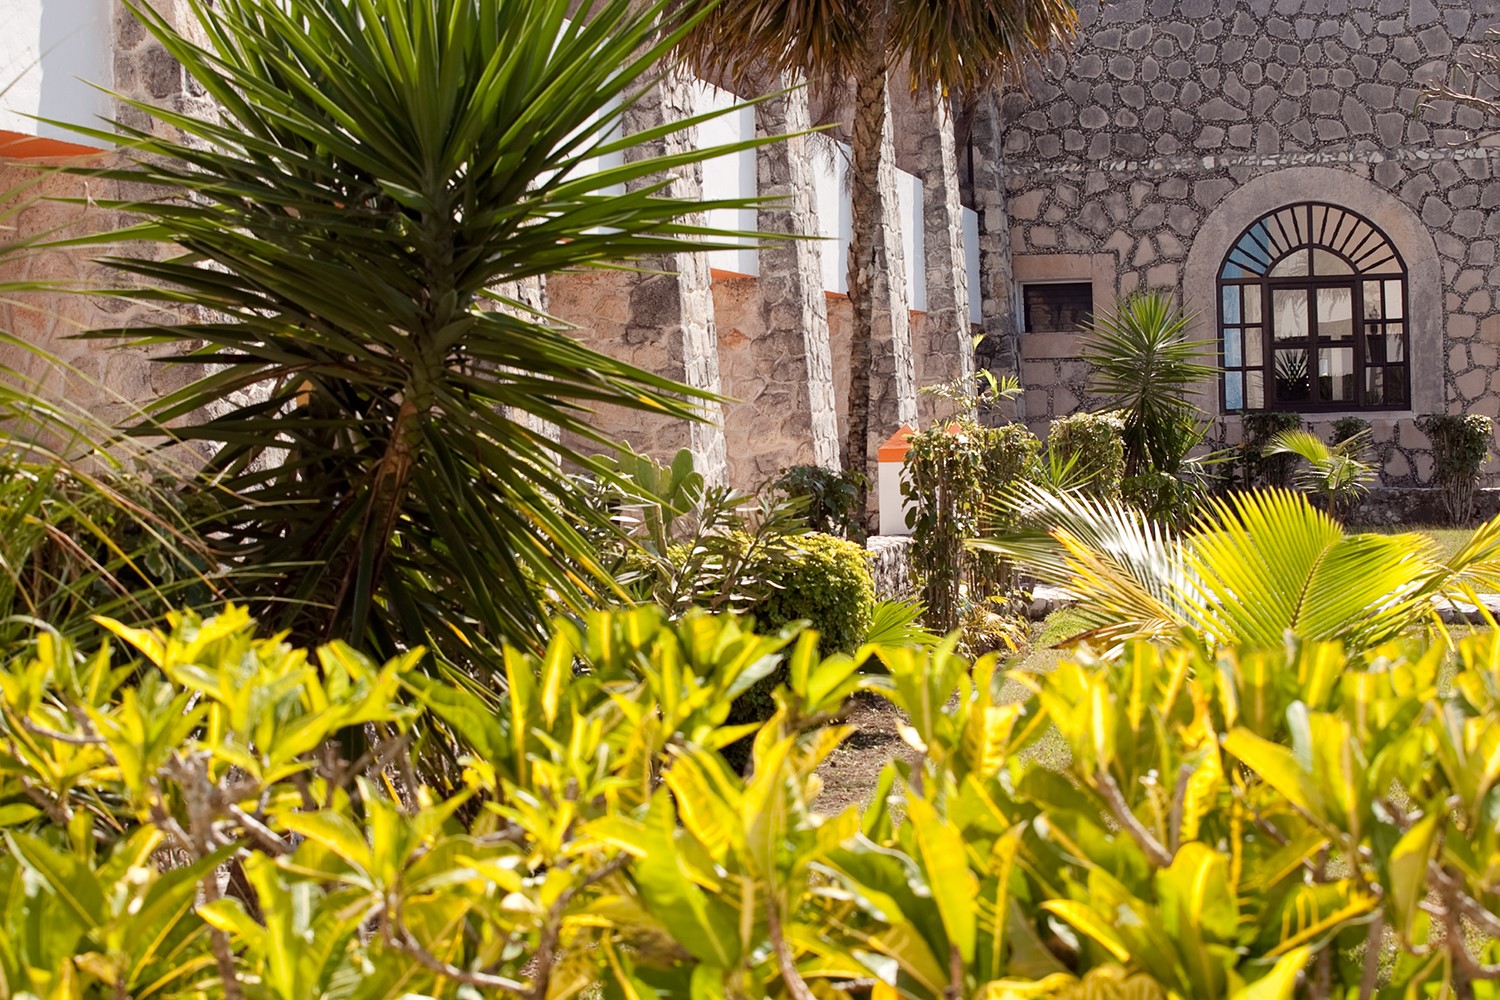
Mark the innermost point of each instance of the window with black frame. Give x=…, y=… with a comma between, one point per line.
x=1313, y=315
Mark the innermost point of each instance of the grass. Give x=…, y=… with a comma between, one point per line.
x=1449, y=540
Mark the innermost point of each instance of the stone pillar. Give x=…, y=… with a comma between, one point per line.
x=944, y=346
x=795, y=405
x=1000, y=351
x=672, y=304
x=893, y=381
x=531, y=296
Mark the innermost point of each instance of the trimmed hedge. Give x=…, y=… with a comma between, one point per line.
x=1096, y=444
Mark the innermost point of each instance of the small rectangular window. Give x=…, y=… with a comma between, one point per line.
x=1056, y=307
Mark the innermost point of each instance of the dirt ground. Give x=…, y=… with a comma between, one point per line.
x=851, y=772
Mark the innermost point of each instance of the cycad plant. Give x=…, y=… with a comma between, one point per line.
x=1146, y=367
x=337, y=239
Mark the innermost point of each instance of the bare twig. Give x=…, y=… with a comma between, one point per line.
x=796, y=986
x=1158, y=855
x=404, y=940
x=552, y=928
x=1373, y=941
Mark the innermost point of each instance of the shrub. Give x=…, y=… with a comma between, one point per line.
x=955, y=477
x=1337, y=474
x=821, y=579
x=828, y=497
x=1347, y=428
x=1262, y=469
x=1180, y=822
x=1095, y=445
x=1460, y=445
x=1161, y=497
x=1143, y=363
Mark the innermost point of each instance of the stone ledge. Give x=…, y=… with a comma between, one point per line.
x=1394, y=506
x=890, y=565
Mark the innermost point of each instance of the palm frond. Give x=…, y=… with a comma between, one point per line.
x=1254, y=569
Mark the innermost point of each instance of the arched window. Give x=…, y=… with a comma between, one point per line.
x=1312, y=315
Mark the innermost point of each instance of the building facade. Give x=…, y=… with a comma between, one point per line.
x=1275, y=164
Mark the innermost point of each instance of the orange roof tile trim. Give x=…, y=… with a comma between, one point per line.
x=896, y=446
x=17, y=146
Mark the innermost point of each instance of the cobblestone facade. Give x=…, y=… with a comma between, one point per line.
x=1175, y=124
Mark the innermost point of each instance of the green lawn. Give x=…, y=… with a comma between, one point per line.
x=1449, y=540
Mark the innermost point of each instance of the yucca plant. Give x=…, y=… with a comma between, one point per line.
x=338, y=238
x=1145, y=365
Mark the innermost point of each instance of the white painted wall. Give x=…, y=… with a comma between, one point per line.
x=831, y=180
x=730, y=176
x=971, y=264
x=913, y=239
x=50, y=53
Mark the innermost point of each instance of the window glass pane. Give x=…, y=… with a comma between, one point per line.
x=1335, y=313
x=1395, y=342
x=1329, y=263
x=1335, y=374
x=1250, y=295
x=1319, y=231
x=1374, y=344
x=1250, y=253
x=1057, y=307
x=1293, y=382
x=1289, y=314
x=1393, y=305
x=1255, y=391
x=1374, y=386
x=1395, y=387
x=1232, y=352
x=1372, y=300
x=1293, y=265
x=1231, y=304
x=1254, y=352
x=1234, y=391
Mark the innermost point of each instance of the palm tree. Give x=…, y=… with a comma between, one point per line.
x=1337, y=473
x=1254, y=569
x=339, y=235
x=1142, y=361
x=941, y=46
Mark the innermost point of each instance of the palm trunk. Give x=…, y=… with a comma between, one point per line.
x=864, y=241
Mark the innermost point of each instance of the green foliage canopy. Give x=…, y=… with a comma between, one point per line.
x=345, y=236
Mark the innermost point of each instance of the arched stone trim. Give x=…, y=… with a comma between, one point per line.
x=1400, y=224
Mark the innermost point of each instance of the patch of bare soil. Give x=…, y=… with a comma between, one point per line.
x=851, y=772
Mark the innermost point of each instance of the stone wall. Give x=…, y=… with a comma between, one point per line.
x=98, y=384
x=1174, y=124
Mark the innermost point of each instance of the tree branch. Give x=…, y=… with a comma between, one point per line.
x=1158, y=855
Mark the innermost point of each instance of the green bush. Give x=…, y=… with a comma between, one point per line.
x=1163, y=498
x=816, y=578
x=821, y=579
x=1348, y=428
x=1095, y=445
x=1460, y=446
x=1176, y=822
x=955, y=476
x=1260, y=429
x=828, y=496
